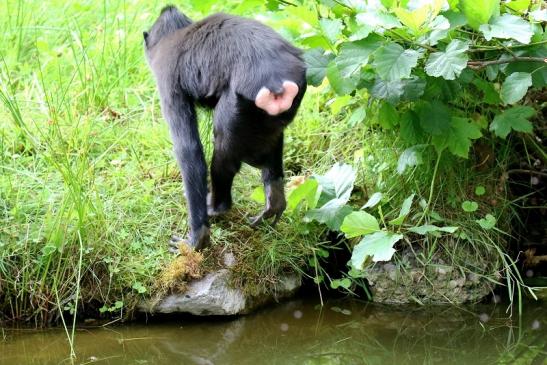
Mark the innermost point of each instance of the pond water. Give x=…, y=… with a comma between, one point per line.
x=301, y=332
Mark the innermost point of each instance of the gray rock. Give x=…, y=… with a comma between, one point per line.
x=213, y=295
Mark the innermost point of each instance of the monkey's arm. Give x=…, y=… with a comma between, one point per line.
x=180, y=114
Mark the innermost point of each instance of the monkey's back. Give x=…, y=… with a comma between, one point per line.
x=224, y=51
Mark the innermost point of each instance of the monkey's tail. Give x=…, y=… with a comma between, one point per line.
x=277, y=100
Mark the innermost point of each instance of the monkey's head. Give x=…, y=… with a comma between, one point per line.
x=169, y=21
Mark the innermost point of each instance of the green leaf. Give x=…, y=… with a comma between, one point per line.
x=354, y=55
x=413, y=88
x=489, y=94
x=317, y=62
x=462, y=132
x=508, y=26
x=359, y=223
x=338, y=181
x=450, y=63
x=414, y=19
x=435, y=117
x=439, y=30
x=339, y=102
x=520, y=6
x=405, y=209
x=480, y=190
x=410, y=157
x=373, y=200
x=331, y=28
x=410, y=130
x=141, y=289
x=357, y=116
x=258, y=195
x=515, y=118
x=378, y=245
x=378, y=19
x=488, y=222
x=344, y=283
x=539, y=15
x=387, y=90
x=388, y=116
x=430, y=228
x=479, y=12
x=332, y=213
x=393, y=62
x=307, y=191
x=341, y=85
x=515, y=87
x=469, y=206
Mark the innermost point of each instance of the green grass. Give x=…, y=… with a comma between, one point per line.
x=90, y=192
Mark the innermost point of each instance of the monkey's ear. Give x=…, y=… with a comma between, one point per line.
x=145, y=35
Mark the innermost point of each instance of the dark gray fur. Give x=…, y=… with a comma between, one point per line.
x=222, y=62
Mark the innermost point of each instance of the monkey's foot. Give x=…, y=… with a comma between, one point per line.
x=200, y=242
x=219, y=210
x=266, y=214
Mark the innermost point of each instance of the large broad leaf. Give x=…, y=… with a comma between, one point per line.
x=405, y=209
x=414, y=19
x=439, y=30
x=317, y=62
x=462, y=131
x=515, y=87
x=489, y=93
x=359, y=223
x=332, y=213
x=431, y=228
x=378, y=19
x=337, y=182
x=479, y=12
x=307, y=191
x=410, y=130
x=341, y=85
x=388, y=117
x=393, y=62
x=515, y=118
x=331, y=28
x=373, y=200
x=388, y=90
x=410, y=157
x=377, y=245
x=353, y=55
x=450, y=63
x=539, y=15
x=435, y=117
x=413, y=88
x=508, y=26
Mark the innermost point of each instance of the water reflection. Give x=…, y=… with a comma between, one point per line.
x=300, y=332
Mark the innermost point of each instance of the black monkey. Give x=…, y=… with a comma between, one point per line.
x=254, y=80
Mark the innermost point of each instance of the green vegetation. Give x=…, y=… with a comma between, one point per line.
x=414, y=117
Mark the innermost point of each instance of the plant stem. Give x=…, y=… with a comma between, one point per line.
x=493, y=48
x=431, y=188
x=483, y=63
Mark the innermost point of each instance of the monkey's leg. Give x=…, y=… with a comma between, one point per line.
x=274, y=188
x=226, y=162
x=180, y=114
x=223, y=170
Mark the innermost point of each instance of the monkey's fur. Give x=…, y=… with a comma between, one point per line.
x=223, y=62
